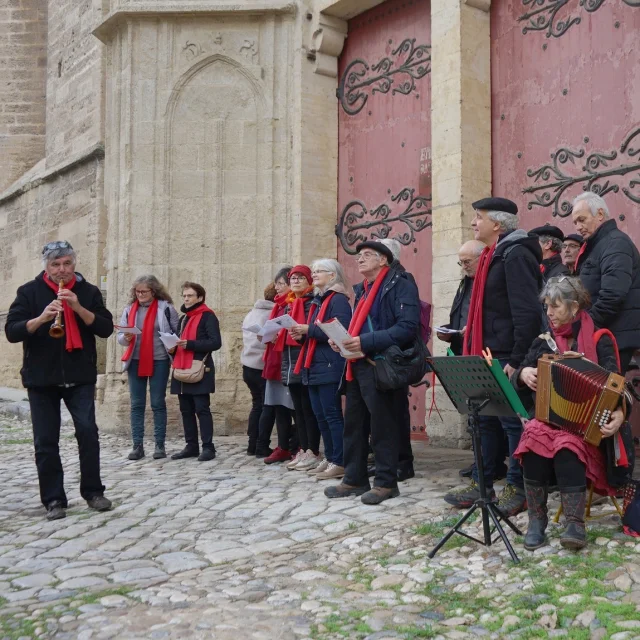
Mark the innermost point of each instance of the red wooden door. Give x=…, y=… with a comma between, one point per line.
x=384, y=179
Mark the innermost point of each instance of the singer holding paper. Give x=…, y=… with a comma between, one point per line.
x=146, y=360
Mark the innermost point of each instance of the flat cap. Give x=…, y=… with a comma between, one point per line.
x=376, y=246
x=549, y=230
x=576, y=237
x=496, y=204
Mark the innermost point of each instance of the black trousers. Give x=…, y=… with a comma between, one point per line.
x=45, y=418
x=190, y=407
x=306, y=423
x=283, y=418
x=256, y=383
x=565, y=469
x=405, y=453
x=365, y=404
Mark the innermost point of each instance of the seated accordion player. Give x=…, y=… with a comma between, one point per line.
x=577, y=435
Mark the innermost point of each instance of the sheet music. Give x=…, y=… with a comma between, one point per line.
x=334, y=330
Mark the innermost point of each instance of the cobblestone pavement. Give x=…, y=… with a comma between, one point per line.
x=235, y=549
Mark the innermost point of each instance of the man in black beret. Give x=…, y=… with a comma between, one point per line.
x=551, y=239
x=386, y=313
x=570, y=249
x=505, y=315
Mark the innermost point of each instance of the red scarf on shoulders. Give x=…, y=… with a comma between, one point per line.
x=295, y=306
x=272, y=358
x=71, y=331
x=474, y=322
x=145, y=364
x=586, y=344
x=184, y=357
x=363, y=309
x=310, y=344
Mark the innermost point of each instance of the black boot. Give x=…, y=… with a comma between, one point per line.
x=190, y=451
x=574, y=502
x=137, y=452
x=537, y=494
x=208, y=453
x=251, y=448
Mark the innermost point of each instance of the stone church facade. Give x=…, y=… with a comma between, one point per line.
x=216, y=140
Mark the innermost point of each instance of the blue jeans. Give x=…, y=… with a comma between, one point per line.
x=326, y=405
x=157, y=393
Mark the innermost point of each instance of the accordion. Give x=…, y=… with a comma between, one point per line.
x=576, y=395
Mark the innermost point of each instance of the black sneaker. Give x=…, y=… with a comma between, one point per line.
x=55, y=510
x=99, y=503
x=187, y=452
x=207, y=454
x=251, y=449
x=263, y=453
x=405, y=473
x=467, y=472
x=465, y=497
x=137, y=452
x=512, y=500
x=159, y=452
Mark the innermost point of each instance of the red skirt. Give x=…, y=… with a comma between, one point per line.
x=538, y=437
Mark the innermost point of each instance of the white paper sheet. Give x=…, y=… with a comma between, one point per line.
x=272, y=327
x=334, y=330
x=254, y=328
x=447, y=330
x=169, y=340
x=134, y=330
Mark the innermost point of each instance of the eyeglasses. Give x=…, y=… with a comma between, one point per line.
x=367, y=255
x=297, y=279
x=465, y=263
x=315, y=273
x=189, y=295
x=58, y=244
x=572, y=245
x=142, y=292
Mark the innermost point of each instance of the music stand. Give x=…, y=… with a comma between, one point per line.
x=477, y=389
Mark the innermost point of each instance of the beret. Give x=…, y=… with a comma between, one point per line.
x=496, y=204
x=376, y=246
x=549, y=230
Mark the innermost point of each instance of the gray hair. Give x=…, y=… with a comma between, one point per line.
x=339, y=279
x=594, y=201
x=566, y=289
x=394, y=246
x=56, y=250
x=157, y=288
x=507, y=221
x=556, y=243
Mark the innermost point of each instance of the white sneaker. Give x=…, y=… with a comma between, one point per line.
x=320, y=468
x=308, y=462
x=333, y=471
x=298, y=458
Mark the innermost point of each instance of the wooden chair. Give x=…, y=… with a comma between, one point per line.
x=588, y=515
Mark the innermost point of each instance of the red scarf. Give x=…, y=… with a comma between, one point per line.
x=310, y=344
x=474, y=322
x=145, y=364
x=583, y=248
x=564, y=336
x=184, y=357
x=362, y=311
x=295, y=306
x=71, y=331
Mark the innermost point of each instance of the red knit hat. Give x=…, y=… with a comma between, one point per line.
x=302, y=269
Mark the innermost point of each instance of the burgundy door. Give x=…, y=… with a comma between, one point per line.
x=384, y=181
x=565, y=88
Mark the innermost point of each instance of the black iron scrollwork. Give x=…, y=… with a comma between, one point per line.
x=358, y=224
x=412, y=63
x=552, y=180
x=542, y=15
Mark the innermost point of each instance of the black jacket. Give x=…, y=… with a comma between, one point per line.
x=208, y=339
x=398, y=314
x=291, y=353
x=512, y=315
x=609, y=268
x=457, y=317
x=553, y=267
x=327, y=366
x=45, y=361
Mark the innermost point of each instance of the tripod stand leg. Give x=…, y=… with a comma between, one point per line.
x=506, y=520
x=453, y=530
x=503, y=535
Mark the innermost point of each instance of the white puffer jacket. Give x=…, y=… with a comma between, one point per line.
x=254, y=349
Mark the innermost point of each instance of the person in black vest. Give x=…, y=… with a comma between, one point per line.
x=609, y=267
x=505, y=316
x=62, y=368
x=551, y=239
x=570, y=249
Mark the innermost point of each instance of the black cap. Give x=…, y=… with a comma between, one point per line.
x=576, y=237
x=376, y=246
x=549, y=230
x=496, y=204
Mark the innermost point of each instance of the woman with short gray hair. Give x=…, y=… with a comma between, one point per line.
x=146, y=360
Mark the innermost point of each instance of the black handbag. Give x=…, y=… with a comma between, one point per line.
x=619, y=476
x=397, y=368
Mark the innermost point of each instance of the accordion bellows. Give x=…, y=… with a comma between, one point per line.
x=576, y=395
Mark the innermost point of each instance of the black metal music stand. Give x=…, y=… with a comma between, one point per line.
x=474, y=390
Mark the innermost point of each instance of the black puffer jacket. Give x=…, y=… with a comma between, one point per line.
x=45, y=361
x=553, y=267
x=512, y=315
x=208, y=339
x=291, y=353
x=610, y=270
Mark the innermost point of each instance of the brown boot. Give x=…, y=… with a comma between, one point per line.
x=380, y=494
x=574, y=502
x=344, y=491
x=536, y=494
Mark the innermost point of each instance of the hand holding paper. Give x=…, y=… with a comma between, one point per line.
x=334, y=330
x=169, y=340
x=133, y=330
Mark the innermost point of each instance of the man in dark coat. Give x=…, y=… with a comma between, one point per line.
x=386, y=313
x=61, y=368
x=505, y=316
x=609, y=266
x=551, y=239
x=570, y=249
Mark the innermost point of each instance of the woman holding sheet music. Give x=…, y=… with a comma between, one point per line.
x=150, y=310
x=320, y=366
